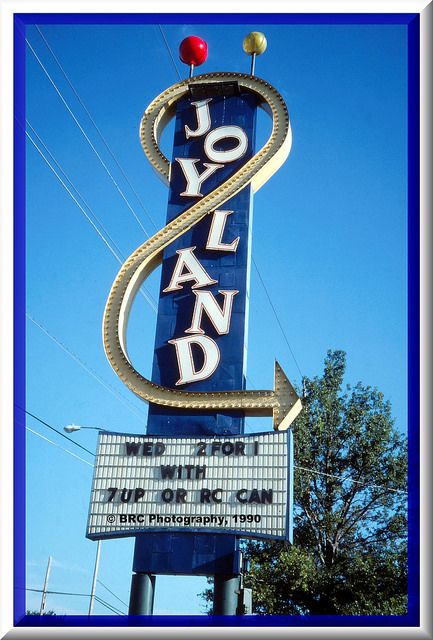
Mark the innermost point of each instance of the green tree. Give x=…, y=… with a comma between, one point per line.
x=349, y=555
x=36, y=612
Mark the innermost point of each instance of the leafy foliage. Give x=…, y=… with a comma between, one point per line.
x=349, y=553
x=35, y=612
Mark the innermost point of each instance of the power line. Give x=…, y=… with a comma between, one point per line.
x=341, y=479
x=94, y=124
x=110, y=606
x=82, y=595
x=87, y=138
x=112, y=592
x=82, y=364
x=169, y=52
x=73, y=198
x=59, y=447
x=148, y=297
x=56, y=430
x=276, y=316
x=70, y=183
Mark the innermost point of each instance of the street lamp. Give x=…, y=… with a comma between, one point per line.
x=70, y=428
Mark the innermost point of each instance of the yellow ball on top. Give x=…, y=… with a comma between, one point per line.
x=255, y=42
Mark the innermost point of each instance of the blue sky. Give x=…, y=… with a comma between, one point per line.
x=329, y=239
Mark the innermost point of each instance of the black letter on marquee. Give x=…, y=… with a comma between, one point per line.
x=167, y=472
x=112, y=493
x=167, y=495
x=181, y=496
x=214, y=495
x=159, y=448
x=138, y=494
x=205, y=496
x=238, y=496
x=239, y=448
x=126, y=494
x=201, y=451
x=267, y=496
x=132, y=448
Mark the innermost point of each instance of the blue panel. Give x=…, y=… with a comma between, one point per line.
x=228, y=268
x=187, y=553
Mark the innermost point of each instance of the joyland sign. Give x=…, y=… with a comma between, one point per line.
x=195, y=471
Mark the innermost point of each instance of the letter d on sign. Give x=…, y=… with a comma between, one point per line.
x=185, y=359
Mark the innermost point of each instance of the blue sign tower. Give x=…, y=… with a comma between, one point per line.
x=228, y=110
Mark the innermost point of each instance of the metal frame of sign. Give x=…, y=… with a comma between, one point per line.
x=240, y=533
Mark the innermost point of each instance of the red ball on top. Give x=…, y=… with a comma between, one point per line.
x=193, y=50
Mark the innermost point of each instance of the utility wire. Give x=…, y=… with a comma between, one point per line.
x=95, y=125
x=169, y=52
x=250, y=382
x=276, y=316
x=364, y=484
x=112, y=592
x=87, y=138
x=59, y=447
x=82, y=595
x=73, y=198
x=110, y=606
x=57, y=431
x=72, y=186
x=90, y=371
x=105, y=241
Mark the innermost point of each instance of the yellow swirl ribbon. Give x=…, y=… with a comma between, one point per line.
x=282, y=403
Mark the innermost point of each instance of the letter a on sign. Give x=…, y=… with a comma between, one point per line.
x=194, y=271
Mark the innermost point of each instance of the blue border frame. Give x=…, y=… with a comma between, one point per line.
x=412, y=20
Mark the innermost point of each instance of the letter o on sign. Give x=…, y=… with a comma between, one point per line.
x=167, y=495
x=221, y=134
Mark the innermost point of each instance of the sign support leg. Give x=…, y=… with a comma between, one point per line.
x=225, y=595
x=142, y=594
x=95, y=577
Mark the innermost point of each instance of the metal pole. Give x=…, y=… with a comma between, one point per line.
x=253, y=63
x=44, y=590
x=225, y=595
x=142, y=594
x=95, y=577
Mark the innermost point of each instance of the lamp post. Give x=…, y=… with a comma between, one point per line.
x=95, y=577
